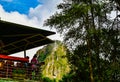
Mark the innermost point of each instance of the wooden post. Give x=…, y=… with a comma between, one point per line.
x=24, y=53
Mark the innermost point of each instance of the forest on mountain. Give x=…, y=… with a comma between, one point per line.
x=91, y=30
x=56, y=63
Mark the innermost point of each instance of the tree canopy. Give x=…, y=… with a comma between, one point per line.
x=92, y=36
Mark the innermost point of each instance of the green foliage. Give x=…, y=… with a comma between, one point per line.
x=56, y=63
x=19, y=71
x=44, y=52
x=7, y=80
x=92, y=39
x=47, y=79
x=67, y=78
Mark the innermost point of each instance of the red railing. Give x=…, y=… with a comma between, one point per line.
x=18, y=68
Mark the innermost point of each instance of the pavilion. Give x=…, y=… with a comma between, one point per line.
x=15, y=38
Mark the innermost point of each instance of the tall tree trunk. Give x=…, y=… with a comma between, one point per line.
x=90, y=62
x=88, y=40
x=97, y=42
x=96, y=37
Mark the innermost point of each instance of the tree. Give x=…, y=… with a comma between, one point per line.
x=82, y=22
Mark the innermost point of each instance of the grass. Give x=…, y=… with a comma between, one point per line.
x=13, y=80
x=7, y=80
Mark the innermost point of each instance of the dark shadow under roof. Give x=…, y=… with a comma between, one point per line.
x=15, y=38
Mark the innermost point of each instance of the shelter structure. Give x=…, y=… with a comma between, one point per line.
x=15, y=37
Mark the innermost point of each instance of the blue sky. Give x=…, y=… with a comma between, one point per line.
x=22, y=6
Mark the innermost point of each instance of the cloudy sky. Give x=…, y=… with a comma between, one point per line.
x=29, y=12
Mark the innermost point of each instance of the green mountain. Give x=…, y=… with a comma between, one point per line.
x=56, y=63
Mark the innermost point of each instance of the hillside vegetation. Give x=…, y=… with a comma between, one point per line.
x=56, y=63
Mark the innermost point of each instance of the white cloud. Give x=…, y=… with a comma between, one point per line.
x=35, y=18
x=42, y=12
x=17, y=18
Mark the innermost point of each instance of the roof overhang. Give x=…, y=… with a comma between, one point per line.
x=15, y=38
